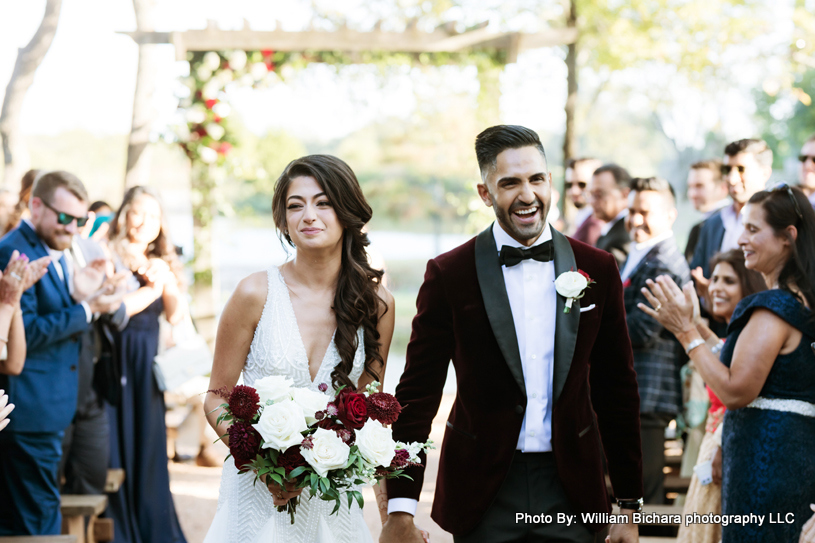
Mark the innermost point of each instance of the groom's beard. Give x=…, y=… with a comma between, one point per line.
x=522, y=232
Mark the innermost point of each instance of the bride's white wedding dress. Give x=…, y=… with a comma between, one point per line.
x=246, y=512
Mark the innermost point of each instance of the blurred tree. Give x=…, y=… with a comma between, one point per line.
x=15, y=152
x=139, y=150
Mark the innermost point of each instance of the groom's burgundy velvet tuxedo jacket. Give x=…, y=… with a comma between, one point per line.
x=464, y=315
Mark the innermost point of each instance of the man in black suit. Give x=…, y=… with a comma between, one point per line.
x=609, y=198
x=747, y=168
x=651, y=215
x=707, y=191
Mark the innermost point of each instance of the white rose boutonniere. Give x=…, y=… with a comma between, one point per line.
x=572, y=285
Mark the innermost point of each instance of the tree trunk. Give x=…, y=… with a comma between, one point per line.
x=570, y=135
x=15, y=152
x=139, y=150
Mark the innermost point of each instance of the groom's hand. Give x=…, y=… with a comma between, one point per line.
x=624, y=533
x=399, y=528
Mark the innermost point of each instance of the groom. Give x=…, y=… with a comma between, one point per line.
x=539, y=389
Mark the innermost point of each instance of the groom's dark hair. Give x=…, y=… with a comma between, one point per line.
x=496, y=139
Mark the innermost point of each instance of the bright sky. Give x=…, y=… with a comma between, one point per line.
x=87, y=79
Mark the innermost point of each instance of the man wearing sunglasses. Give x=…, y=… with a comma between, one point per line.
x=45, y=393
x=583, y=224
x=746, y=168
x=807, y=171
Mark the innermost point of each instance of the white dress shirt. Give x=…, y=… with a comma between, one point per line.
x=533, y=302
x=608, y=226
x=732, y=228
x=638, y=252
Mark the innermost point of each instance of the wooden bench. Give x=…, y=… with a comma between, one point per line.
x=74, y=510
x=114, y=481
x=38, y=539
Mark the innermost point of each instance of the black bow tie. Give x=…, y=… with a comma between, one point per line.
x=511, y=256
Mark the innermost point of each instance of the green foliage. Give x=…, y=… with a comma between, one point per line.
x=787, y=120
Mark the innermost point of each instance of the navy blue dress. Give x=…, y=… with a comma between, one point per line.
x=142, y=510
x=768, y=457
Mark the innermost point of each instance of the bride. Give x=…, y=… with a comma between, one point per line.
x=322, y=317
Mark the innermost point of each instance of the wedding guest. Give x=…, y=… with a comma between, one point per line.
x=707, y=191
x=21, y=210
x=45, y=392
x=584, y=226
x=730, y=282
x=19, y=276
x=143, y=509
x=746, y=169
x=8, y=205
x=651, y=215
x=609, y=199
x=86, y=445
x=806, y=176
x=766, y=377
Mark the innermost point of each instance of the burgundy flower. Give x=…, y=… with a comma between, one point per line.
x=308, y=443
x=243, y=402
x=331, y=409
x=383, y=407
x=401, y=459
x=352, y=410
x=329, y=424
x=347, y=436
x=291, y=459
x=322, y=387
x=584, y=274
x=319, y=415
x=223, y=392
x=244, y=443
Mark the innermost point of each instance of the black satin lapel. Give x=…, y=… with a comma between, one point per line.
x=566, y=324
x=496, y=302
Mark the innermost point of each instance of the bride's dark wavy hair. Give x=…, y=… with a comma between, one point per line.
x=356, y=301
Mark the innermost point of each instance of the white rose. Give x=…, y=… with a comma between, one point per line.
x=258, y=70
x=274, y=387
x=376, y=444
x=280, y=425
x=222, y=109
x=237, y=60
x=215, y=131
x=203, y=73
x=327, y=452
x=211, y=90
x=212, y=60
x=570, y=284
x=196, y=115
x=207, y=155
x=310, y=402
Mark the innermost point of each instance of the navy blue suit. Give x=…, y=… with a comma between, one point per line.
x=45, y=394
x=711, y=236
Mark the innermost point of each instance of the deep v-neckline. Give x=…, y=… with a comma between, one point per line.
x=300, y=341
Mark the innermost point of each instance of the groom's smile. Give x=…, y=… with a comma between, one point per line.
x=518, y=189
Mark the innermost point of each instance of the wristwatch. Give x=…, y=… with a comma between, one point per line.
x=633, y=505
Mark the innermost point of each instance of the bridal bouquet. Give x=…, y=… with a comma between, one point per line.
x=309, y=439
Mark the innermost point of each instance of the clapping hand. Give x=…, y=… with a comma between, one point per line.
x=671, y=306
x=36, y=271
x=88, y=280
x=12, y=280
x=157, y=273
x=4, y=409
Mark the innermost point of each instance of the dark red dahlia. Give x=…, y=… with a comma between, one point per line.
x=291, y=459
x=243, y=402
x=352, y=410
x=244, y=443
x=401, y=459
x=383, y=407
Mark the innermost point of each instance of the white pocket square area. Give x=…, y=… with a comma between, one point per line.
x=587, y=308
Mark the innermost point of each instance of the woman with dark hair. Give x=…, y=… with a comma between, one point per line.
x=143, y=509
x=730, y=282
x=766, y=377
x=323, y=317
